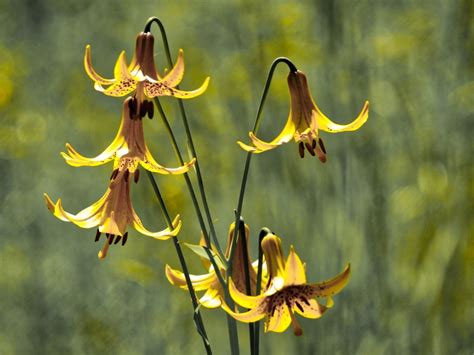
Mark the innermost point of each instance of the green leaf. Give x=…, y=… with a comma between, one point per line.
x=204, y=252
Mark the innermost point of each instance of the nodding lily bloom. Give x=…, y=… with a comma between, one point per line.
x=287, y=291
x=141, y=74
x=304, y=122
x=112, y=214
x=214, y=295
x=128, y=149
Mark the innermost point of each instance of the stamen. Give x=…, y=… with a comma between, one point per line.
x=114, y=174
x=150, y=109
x=124, y=240
x=97, y=235
x=305, y=300
x=321, y=156
x=136, y=175
x=126, y=175
x=313, y=143
x=132, y=105
x=301, y=149
x=273, y=310
x=296, y=326
x=143, y=108
x=310, y=149
x=321, y=144
x=103, y=253
x=117, y=239
x=111, y=238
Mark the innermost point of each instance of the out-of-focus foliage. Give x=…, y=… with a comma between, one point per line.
x=395, y=198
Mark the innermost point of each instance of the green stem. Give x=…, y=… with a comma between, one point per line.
x=243, y=185
x=231, y=323
x=189, y=136
x=197, y=314
x=262, y=235
x=246, y=261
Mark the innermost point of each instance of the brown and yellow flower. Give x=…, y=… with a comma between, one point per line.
x=141, y=75
x=128, y=149
x=304, y=122
x=111, y=214
x=287, y=292
x=209, y=282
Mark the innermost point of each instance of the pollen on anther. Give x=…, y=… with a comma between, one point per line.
x=111, y=238
x=310, y=149
x=321, y=144
x=117, y=239
x=125, y=236
x=301, y=149
x=97, y=235
x=136, y=175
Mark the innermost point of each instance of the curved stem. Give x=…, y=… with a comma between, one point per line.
x=184, y=118
x=243, y=185
x=197, y=313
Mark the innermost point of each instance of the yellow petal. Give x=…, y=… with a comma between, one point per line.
x=309, y=308
x=154, y=89
x=251, y=316
x=279, y=320
x=271, y=246
x=150, y=164
x=90, y=70
x=284, y=137
x=211, y=299
x=294, y=270
x=242, y=299
x=200, y=282
x=175, y=76
x=331, y=286
x=73, y=158
x=325, y=124
x=162, y=235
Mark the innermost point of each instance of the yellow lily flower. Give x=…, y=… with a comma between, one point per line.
x=128, y=149
x=141, y=74
x=287, y=292
x=112, y=214
x=304, y=122
x=214, y=295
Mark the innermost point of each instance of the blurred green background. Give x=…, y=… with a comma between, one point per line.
x=395, y=198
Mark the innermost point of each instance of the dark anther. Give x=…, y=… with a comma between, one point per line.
x=321, y=144
x=97, y=235
x=124, y=240
x=136, y=175
x=310, y=149
x=117, y=239
x=299, y=307
x=301, y=149
x=305, y=300
x=126, y=175
x=273, y=310
x=143, y=108
x=107, y=235
x=114, y=174
x=313, y=144
x=151, y=109
x=111, y=239
x=132, y=105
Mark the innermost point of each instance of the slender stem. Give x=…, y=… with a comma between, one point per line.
x=231, y=323
x=197, y=314
x=188, y=134
x=258, y=287
x=246, y=261
x=240, y=203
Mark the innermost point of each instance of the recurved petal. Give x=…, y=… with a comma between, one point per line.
x=309, y=308
x=200, y=282
x=332, y=286
x=242, y=299
x=327, y=125
x=176, y=74
x=154, y=89
x=88, y=218
x=90, y=70
x=120, y=88
x=150, y=164
x=253, y=315
x=294, y=270
x=73, y=158
x=162, y=235
x=211, y=299
x=279, y=320
x=284, y=137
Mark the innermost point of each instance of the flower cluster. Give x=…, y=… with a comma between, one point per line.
x=113, y=212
